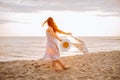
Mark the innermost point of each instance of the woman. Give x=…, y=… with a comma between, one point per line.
x=52, y=50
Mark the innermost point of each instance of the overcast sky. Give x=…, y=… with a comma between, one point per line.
x=73, y=5
x=12, y=12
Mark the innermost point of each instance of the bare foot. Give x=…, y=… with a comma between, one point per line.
x=66, y=67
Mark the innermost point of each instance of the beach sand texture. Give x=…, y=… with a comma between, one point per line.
x=95, y=66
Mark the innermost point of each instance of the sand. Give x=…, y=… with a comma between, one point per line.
x=92, y=66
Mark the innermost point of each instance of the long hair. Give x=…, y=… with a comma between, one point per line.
x=52, y=24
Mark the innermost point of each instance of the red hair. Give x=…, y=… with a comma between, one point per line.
x=52, y=24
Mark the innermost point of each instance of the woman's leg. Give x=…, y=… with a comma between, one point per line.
x=61, y=64
x=54, y=65
x=58, y=61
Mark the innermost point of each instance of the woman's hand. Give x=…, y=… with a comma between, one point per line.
x=60, y=40
x=68, y=33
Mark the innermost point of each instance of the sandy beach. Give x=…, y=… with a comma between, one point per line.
x=92, y=66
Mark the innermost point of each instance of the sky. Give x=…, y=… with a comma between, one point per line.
x=80, y=17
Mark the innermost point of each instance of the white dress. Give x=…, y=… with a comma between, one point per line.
x=52, y=50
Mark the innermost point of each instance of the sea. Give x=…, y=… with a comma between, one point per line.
x=33, y=48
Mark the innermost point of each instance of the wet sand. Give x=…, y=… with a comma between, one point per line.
x=91, y=66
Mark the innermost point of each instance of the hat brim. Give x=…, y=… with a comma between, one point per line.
x=65, y=45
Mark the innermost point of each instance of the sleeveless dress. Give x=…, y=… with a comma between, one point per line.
x=52, y=50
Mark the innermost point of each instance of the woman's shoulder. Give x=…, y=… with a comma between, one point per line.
x=49, y=29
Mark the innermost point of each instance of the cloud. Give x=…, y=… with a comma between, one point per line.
x=71, y=5
x=107, y=15
x=2, y=21
x=15, y=6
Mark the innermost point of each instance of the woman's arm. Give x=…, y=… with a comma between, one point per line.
x=66, y=33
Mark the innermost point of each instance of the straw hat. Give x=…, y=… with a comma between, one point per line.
x=65, y=45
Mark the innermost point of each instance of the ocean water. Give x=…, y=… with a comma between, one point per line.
x=33, y=48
